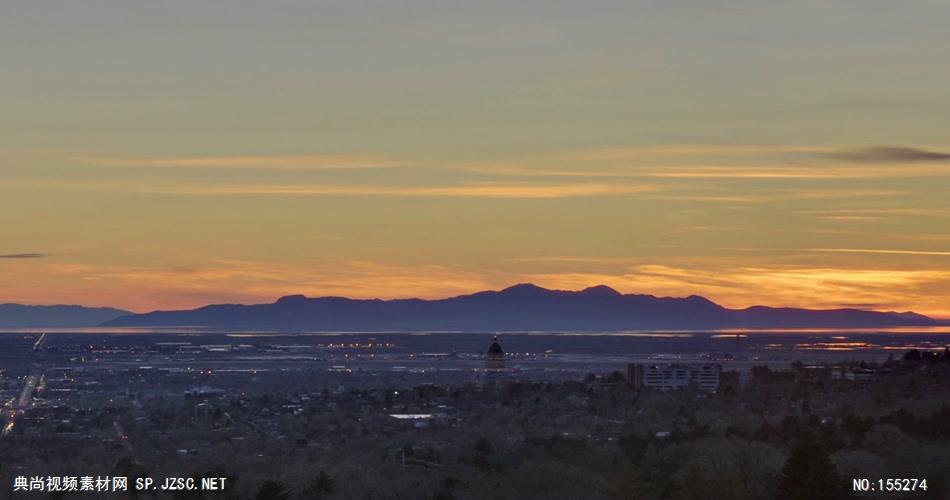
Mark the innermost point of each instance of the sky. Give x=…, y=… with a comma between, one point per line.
x=162, y=155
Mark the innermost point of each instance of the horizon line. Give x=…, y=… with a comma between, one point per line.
x=498, y=290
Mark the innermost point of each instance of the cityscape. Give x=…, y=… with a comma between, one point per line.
x=467, y=415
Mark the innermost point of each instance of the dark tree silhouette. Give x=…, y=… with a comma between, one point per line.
x=809, y=474
x=272, y=490
x=856, y=427
x=320, y=487
x=483, y=450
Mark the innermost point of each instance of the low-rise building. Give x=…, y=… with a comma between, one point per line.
x=854, y=373
x=672, y=376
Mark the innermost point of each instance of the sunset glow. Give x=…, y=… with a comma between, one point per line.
x=442, y=151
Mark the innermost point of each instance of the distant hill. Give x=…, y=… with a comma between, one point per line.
x=17, y=315
x=522, y=307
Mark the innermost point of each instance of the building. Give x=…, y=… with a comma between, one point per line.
x=763, y=375
x=495, y=359
x=854, y=373
x=666, y=377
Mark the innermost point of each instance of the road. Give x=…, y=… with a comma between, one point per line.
x=40, y=342
x=24, y=402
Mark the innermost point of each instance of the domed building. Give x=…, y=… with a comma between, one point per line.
x=495, y=359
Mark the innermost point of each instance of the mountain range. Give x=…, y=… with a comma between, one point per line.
x=23, y=316
x=523, y=307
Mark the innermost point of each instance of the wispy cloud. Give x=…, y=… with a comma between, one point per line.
x=672, y=171
x=685, y=163
x=875, y=214
x=293, y=162
x=24, y=256
x=793, y=172
x=850, y=218
x=890, y=154
x=626, y=154
x=767, y=196
x=933, y=253
x=463, y=191
x=483, y=190
x=765, y=171
x=528, y=190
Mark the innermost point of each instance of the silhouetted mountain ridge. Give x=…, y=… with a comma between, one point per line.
x=25, y=316
x=522, y=307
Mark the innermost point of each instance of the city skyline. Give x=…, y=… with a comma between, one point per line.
x=174, y=155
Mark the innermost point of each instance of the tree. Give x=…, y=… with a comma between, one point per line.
x=131, y=470
x=272, y=490
x=448, y=485
x=856, y=427
x=791, y=427
x=483, y=450
x=809, y=474
x=320, y=487
x=513, y=391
